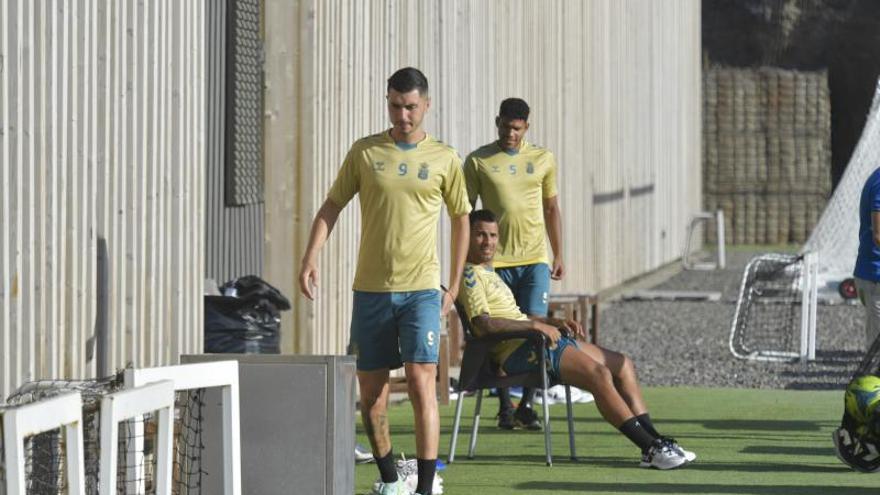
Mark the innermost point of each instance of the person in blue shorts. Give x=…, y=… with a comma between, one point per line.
x=516, y=180
x=610, y=376
x=402, y=177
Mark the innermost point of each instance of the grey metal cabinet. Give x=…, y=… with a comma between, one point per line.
x=297, y=424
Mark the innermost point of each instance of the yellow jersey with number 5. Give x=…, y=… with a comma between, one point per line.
x=401, y=189
x=513, y=185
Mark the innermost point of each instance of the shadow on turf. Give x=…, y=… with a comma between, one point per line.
x=631, y=463
x=783, y=450
x=574, y=486
x=735, y=424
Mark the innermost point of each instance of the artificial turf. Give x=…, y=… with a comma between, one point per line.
x=756, y=442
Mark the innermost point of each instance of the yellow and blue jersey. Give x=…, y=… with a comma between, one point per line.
x=482, y=292
x=513, y=185
x=401, y=189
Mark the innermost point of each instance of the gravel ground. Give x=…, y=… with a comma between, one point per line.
x=686, y=343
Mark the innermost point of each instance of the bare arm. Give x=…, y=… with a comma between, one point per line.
x=875, y=227
x=488, y=324
x=553, y=223
x=461, y=234
x=323, y=224
x=572, y=327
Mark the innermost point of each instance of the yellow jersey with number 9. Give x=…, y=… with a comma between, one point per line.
x=401, y=189
x=513, y=185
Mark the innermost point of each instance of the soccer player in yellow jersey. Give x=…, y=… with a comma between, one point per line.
x=610, y=376
x=402, y=177
x=516, y=180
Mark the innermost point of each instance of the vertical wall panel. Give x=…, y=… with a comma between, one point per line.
x=614, y=87
x=8, y=275
x=234, y=235
x=101, y=138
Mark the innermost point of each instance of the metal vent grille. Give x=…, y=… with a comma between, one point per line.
x=244, y=104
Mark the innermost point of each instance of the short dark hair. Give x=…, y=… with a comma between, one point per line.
x=513, y=109
x=408, y=79
x=482, y=216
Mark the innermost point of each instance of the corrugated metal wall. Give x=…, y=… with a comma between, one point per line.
x=102, y=141
x=615, y=91
x=234, y=234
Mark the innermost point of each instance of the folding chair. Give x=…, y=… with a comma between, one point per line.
x=478, y=372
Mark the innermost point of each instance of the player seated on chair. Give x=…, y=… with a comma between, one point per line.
x=610, y=376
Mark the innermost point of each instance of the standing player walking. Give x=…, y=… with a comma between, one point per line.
x=516, y=180
x=402, y=176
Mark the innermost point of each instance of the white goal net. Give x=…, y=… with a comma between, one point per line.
x=775, y=317
x=775, y=313
x=836, y=237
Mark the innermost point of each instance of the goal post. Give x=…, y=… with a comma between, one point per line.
x=775, y=318
x=809, y=303
x=128, y=405
x=702, y=220
x=220, y=374
x=20, y=422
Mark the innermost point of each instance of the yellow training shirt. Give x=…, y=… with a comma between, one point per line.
x=482, y=292
x=401, y=189
x=513, y=186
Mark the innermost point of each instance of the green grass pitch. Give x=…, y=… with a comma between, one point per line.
x=754, y=442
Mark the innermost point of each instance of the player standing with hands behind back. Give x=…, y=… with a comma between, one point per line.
x=402, y=177
x=516, y=180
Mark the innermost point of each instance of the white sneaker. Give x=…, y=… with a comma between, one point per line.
x=690, y=456
x=662, y=455
x=396, y=488
x=579, y=396
x=408, y=472
x=362, y=455
x=407, y=478
x=556, y=395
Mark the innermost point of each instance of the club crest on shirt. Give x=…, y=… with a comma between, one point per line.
x=423, y=171
x=378, y=166
x=496, y=169
x=530, y=168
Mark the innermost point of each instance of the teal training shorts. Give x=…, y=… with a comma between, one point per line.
x=525, y=358
x=392, y=328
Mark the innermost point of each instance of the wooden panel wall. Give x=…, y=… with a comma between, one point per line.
x=102, y=150
x=615, y=91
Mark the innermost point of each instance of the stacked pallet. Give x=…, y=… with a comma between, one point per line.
x=766, y=152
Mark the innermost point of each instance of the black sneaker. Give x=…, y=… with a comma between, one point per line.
x=526, y=418
x=505, y=419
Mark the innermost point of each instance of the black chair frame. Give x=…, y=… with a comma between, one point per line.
x=478, y=372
